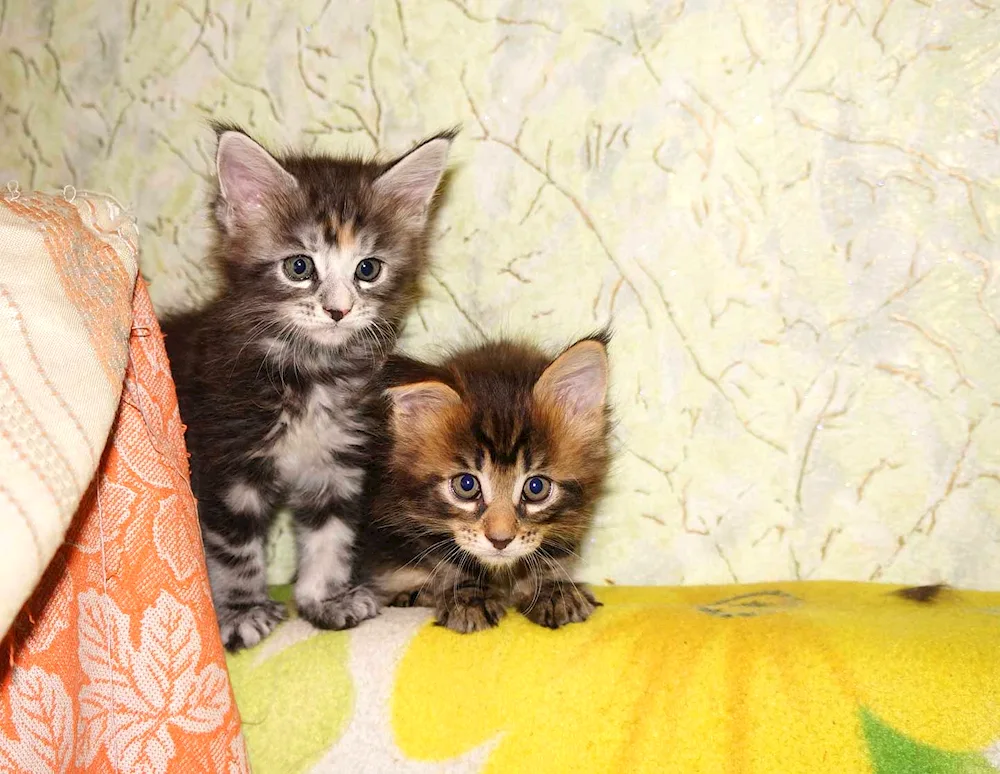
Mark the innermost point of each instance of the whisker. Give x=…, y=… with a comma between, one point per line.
x=552, y=563
x=533, y=566
x=446, y=559
x=562, y=544
x=426, y=551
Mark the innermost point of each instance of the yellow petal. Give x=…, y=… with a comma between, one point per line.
x=931, y=672
x=748, y=681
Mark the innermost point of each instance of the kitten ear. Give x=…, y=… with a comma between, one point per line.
x=248, y=176
x=414, y=401
x=577, y=380
x=413, y=178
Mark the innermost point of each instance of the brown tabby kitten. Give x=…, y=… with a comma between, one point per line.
x=496, y=460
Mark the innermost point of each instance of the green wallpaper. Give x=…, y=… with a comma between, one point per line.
x=789, y=209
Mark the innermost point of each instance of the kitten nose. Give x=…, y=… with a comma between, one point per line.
x=338, y=314
x=500, y=543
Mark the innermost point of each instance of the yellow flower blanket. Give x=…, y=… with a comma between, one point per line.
x=790, y=677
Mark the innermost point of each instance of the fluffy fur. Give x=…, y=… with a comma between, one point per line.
x=496, y=421
x=320, y=258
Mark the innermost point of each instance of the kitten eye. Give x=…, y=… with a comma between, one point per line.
x=536, y=489
x=298, y=268
x=465, y=486
x=368, y=270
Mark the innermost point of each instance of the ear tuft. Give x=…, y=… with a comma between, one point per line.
x=422, y=399
x=577, y=380
x=248, y=176
x=413, y=178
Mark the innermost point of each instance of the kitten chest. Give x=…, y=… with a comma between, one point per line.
x=318, y=434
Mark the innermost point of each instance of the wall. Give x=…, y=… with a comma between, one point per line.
x=789, y=209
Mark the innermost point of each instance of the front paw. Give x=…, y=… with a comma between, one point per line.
x=243, y=626
x=559, y=603
x=341, y=611
x=469, y=609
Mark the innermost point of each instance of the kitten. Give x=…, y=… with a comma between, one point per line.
x=321, y=258
x=495, y=461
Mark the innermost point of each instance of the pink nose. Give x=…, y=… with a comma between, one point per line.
x=338, y=314
x=501, y=543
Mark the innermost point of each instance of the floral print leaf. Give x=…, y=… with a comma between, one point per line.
x=894, y=753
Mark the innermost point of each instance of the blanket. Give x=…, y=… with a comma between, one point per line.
x=67, y=271
x=790, y=677
x=113, y=663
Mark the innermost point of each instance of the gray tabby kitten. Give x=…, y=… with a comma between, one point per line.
x=321, y=258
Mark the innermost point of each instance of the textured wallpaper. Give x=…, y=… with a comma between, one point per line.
x=790, y=210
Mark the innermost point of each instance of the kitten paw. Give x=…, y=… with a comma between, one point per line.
x=343, y=611
x=243, y=626
x=469, y=610
x=559, y=604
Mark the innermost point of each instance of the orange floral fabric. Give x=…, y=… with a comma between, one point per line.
x=67, y=275
x=115, y=664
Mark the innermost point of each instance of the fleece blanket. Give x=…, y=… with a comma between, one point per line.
x=792, y=677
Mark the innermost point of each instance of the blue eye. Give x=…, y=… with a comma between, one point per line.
x=465, y=486
x=298, y=268
x=368, y=270
x=536, y=489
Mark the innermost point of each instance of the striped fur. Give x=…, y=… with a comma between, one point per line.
x=274, y=376
x=505, y=414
